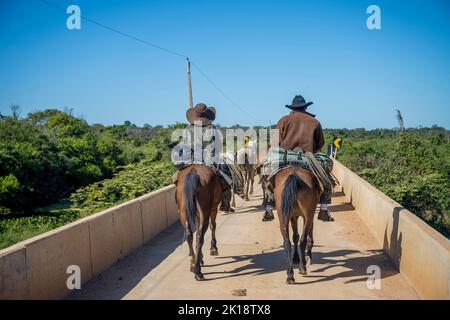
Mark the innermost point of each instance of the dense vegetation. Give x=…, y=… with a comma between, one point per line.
x=56, y=168
x=412, y=167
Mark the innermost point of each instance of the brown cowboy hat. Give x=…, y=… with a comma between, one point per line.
x=201, y=113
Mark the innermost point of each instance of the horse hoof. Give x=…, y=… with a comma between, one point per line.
x=302, y=271
x=290, y=280
x=214, y=252
x=199, y=277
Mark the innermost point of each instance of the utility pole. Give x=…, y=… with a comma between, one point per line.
x=191, y=104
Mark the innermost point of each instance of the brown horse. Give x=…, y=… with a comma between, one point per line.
x=297, y=194
x=198, y=195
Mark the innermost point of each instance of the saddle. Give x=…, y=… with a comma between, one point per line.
x=237, y=178
x=319, y=164
x=227, y=170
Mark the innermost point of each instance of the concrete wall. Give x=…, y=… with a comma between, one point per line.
x=420, y=253
x=36, y=268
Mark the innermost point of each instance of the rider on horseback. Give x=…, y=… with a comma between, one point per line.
x=201, y=143
x=300, y=131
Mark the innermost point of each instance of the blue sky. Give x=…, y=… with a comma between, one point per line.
x=260, y=53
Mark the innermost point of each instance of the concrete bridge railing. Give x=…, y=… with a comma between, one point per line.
x=37, y=268
x=420, y=253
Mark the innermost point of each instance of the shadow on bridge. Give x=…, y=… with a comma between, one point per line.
x=117, y=281
x=393, y=245
x=338, y=264
x=333, y=208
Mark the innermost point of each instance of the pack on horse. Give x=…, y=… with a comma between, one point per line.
x=237, y=174
x=302, y=179
x=247, y=159
x=266, y=189
x=199, y=189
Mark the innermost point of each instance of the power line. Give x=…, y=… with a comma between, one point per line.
x=173, y=52
x=118, y=31
x=221, y=91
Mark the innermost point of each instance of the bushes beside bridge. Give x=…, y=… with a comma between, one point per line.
x=412, y=168
x=56, y=168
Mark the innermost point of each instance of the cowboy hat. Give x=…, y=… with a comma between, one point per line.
x=298, y=103
x=201, y=113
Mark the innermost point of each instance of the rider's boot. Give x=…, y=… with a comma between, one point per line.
x=324, y=213
x=268, y=215
x=325, y=200
x=226, y=199
x=269, y=205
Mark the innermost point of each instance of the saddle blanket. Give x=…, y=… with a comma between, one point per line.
x=280, y=158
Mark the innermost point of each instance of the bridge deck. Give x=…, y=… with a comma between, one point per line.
x=251, y=258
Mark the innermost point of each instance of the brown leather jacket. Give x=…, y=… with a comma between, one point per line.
x=300, y=129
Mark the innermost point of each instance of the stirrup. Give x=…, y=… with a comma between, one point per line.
x=324, y=215
x=226, y=209
x=268, y=215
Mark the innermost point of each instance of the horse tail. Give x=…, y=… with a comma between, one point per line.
x=191, y=183
x=289, y=195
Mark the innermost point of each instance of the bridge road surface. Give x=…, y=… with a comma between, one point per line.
x=251, y=257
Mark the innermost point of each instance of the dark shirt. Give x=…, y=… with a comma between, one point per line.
x=300, y=130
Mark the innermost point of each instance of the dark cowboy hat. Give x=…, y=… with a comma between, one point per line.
x=298, y=103
x=201, y=113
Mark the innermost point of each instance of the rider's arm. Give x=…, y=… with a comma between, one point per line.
x=319, y=139
x=281, y=126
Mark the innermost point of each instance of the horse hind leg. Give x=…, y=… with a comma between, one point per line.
x=310, y=238
x=264, y=202
x=199, y=256
x=246, y=189
x=284, y=228
x=307, y=225
x=190, y=239
x=309, y=246
x=233, y=201
x=213, y=251
x=295, y=238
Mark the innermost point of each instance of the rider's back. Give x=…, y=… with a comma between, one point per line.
x=300, y=130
